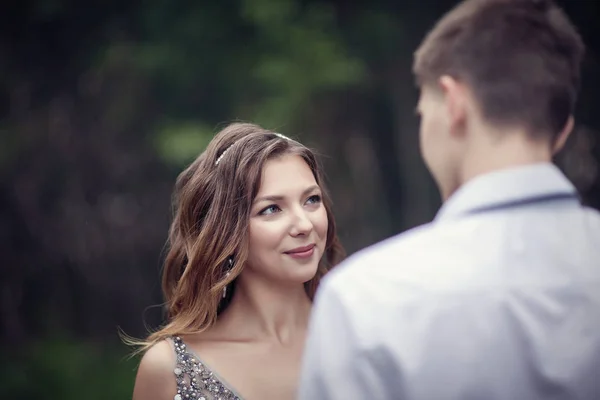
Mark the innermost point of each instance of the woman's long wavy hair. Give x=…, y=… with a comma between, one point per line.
x=212, y=202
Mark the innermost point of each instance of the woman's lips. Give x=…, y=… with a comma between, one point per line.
x=301, y=252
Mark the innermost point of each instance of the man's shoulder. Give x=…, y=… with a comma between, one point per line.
x=388, y=256
x=396, y=246
x=592, y=213
x=416, y=270
x=392, y=247
x=432, y=257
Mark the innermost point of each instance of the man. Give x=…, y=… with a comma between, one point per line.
x=498, y=297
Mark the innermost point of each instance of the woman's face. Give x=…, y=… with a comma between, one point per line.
x=288, y=222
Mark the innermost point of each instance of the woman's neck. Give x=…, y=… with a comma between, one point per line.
x=267, y=310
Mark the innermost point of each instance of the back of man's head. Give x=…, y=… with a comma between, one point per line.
x=520, y=58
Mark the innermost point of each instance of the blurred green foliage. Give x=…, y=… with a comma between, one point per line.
x=68, y=370
x=264, y=63
x=178, y=143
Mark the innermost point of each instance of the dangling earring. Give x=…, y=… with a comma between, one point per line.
x=230, y=264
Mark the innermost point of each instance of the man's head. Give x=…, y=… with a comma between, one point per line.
x=501, y=66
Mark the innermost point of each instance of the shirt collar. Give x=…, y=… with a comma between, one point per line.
x=506, y=185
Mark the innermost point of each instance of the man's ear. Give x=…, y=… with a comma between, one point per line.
x=561, y=139
x=456, y=102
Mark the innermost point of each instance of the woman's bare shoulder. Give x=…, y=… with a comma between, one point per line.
x=155, y=379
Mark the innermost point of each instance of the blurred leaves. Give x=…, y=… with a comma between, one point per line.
x=180, y=143
x=265, y=64
x=269, y=12
x=303, y=55
x=60, y=369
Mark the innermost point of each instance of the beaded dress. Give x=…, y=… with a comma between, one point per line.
x=195, y=380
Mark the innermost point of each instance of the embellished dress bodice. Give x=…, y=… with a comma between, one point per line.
x=195, y=380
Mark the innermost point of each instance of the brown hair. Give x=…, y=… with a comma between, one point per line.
x=521, y=59
x=212, y=209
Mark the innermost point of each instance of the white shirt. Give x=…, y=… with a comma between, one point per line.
x=498, y=304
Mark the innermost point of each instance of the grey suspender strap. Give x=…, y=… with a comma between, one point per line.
x=546, y=198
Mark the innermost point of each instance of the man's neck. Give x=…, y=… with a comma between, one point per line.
x=495, y=151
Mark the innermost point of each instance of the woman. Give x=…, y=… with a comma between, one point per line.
x=253, y=234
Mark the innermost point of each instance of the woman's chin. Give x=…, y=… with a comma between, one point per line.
x=303, y=273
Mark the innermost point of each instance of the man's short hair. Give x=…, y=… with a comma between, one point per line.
x=521, y=59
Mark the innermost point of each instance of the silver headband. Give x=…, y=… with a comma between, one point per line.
x=231, y=145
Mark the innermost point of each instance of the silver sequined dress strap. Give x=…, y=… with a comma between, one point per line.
x=195, y=381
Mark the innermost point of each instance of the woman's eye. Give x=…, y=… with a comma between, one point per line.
x=314, y=199
x=270, y=210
